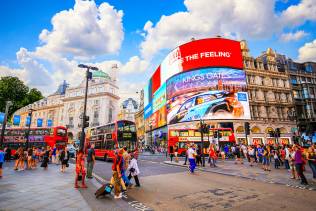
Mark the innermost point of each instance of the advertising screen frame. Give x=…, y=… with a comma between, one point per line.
x=215, y=89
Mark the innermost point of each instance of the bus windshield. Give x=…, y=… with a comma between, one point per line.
x=126, y=126
x=61, y=132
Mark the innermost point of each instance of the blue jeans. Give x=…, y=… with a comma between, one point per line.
x=192, y=164
x=124, y=177
x=313, y=167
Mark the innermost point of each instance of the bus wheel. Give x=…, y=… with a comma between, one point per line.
x=105, y=158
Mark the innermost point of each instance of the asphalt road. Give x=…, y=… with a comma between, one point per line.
x=166, y=187
x=148, y=165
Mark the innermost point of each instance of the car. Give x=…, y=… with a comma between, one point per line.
x=71, y=150
x=208, y=104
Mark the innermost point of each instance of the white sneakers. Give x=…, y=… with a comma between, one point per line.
x=119, y=196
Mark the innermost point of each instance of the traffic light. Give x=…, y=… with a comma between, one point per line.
x=247, y=128
x=277, y=132
x=219, y=134
x=89, y=76
x=86, y=121
x=206, y=128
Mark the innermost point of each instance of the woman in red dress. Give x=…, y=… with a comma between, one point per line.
x=80, y=169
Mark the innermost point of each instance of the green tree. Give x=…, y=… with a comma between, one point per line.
x=13, y=89
x=32, y=96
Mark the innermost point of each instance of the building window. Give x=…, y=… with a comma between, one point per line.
x=110, y=114
x=309, y=68
x=312, y=93
x=293, y=80
x=305, y=93
x=71, y=121
x=96, y=114
x=96, y=102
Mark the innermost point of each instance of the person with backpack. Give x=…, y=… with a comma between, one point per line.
x=125, y=162
x=133, y=170
x=116, y=179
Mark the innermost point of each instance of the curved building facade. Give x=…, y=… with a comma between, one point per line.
x=208, y=80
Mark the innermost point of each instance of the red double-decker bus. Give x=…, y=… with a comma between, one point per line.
x=182, y=137
x=38, y=137
x=109, y=137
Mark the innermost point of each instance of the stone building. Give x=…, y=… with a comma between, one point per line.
x=65, y=106
x=303, y=82
x=128, y=109
x=139, y=119
x=270, y=98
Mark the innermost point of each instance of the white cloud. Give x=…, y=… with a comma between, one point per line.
x=205, y=18
x=84, y=31
x=237, y=19
x=298, y=14
x=307, y=52
x=129, y=88
x=134, y=65
x=286, y=37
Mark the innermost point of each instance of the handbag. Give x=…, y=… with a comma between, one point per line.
x=132, y=170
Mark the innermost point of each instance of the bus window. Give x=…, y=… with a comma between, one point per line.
x=174, y=133
x=132, y=128
x=184, y=133
x=97, y=145
x=61, y=132
x=197, y=133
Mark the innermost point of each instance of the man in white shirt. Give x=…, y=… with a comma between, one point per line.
x=191, y=156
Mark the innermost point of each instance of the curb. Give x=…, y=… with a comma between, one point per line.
x=244, y=177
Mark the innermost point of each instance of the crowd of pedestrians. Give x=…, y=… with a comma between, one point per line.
x=294, y=158
x=28, y=159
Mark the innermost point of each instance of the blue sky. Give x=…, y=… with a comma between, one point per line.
x=137, y=34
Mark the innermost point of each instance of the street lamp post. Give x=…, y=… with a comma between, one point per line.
x=84, y=118
x=7, y=106
x=29, y=128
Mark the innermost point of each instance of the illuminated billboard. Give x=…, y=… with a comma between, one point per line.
x=212, y=93
x=157, y=119
x=201, y=79
x=212, y=52
x=159, y=98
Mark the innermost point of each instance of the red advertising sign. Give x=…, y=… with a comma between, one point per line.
x=216, y=52
x=156, y=80
x=212, y=52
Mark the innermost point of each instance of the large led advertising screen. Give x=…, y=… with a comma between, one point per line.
x=211, y=93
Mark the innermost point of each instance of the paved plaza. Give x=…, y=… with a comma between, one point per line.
x=277, y=176
x=51, y=190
